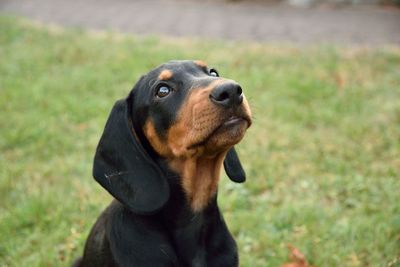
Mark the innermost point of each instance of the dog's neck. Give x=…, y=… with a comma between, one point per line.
x=199, y=178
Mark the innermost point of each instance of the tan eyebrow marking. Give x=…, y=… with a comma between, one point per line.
x=200, y=63
x=165, y=75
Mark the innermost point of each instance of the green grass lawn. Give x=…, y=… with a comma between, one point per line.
x=322, y=157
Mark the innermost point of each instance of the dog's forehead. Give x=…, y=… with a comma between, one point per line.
x=178, y=68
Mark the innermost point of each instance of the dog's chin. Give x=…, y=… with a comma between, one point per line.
x=226, y=135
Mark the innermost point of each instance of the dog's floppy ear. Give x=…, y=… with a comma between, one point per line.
x=233, y=167
x=123, y=168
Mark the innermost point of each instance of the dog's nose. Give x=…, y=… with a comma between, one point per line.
x=227, y=95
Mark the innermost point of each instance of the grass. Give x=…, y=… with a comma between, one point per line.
x=322, y=157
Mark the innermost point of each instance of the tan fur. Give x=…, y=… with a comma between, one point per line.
x=200, y=177
x=199, y=166
x=196, y=116
x=155, y=141
x=200, y=63
x=165, y=75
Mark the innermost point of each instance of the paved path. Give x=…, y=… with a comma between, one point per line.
x=218, y=19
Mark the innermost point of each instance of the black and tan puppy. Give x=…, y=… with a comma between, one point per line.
x=160, y=156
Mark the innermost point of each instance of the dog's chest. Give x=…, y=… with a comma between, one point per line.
x=190, y=242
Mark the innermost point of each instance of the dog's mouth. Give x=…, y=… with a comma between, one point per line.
x=231, y=122
x=233, y=127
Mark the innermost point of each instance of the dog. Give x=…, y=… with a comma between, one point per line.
x=160, y=157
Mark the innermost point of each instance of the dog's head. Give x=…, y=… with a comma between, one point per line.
x=184, y=113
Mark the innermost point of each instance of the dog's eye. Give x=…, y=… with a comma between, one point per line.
x=163, y=91
x=214, y=73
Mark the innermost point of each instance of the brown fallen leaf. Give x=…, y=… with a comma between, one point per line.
x=297, y=258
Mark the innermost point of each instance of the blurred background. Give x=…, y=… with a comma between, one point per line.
x=322, y=156
x=294, y=21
